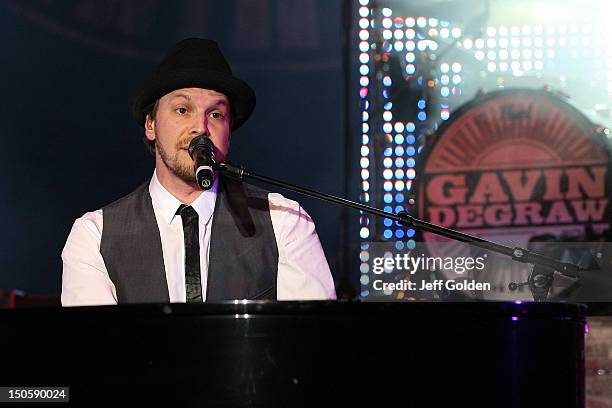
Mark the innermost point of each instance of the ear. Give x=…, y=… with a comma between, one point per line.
x=149, y=128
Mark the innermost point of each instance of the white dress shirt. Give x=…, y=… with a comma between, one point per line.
x=303, y=272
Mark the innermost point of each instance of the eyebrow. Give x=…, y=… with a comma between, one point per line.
x=218, y=102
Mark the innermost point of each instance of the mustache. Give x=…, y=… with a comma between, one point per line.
x=183, y=144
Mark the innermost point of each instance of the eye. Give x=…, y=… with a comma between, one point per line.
x=216, y=115
x=181, y=111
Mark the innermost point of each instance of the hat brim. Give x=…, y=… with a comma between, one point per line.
x=241, y=96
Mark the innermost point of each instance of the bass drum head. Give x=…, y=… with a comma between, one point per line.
x=518, y=167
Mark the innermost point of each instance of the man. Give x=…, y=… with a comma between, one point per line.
x=169, y=241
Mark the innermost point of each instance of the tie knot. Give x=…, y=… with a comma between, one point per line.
x=187, y=213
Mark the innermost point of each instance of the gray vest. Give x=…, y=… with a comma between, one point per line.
x=243, y=257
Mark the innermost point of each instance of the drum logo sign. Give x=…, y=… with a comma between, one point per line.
x=515, y=166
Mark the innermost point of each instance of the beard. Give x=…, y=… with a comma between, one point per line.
x=181, y=169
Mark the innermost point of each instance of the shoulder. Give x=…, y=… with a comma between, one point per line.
x=86, y=230
x=280, y=203
x=143, y=188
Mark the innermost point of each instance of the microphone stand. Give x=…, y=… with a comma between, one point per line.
x=540, y=279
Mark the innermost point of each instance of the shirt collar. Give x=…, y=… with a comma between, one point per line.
x=166, y=204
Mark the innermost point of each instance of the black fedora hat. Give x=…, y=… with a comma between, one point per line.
x=195, y=63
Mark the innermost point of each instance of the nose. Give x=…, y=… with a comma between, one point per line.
x=200, y=125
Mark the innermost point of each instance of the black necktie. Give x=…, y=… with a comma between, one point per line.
x=193, y=285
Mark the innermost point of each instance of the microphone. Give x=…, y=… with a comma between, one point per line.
x=202, y=151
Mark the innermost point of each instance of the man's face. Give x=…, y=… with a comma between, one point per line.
x=181, y=116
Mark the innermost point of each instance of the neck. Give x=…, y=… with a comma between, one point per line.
x=185, y=192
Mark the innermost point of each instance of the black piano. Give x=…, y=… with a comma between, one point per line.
x=301, y=354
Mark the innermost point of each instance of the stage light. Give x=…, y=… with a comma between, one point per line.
x=364, y=233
